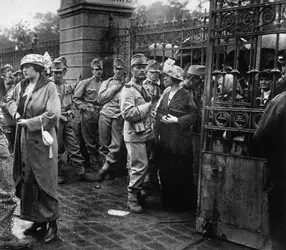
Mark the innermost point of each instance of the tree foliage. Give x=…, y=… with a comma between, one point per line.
x=160, y=11
x=46, y=27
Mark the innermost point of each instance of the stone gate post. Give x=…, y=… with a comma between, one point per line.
x=85, y=32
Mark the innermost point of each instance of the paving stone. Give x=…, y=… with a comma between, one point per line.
x=156, y=246
x=104, y=242
x=171, y=232
x=142, y=238
x=117, y=237
x=166, y=240
x=154, y=233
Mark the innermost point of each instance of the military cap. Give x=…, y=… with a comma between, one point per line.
x=96, y=63
x=173, y=70
x=35, y=59
x=197, y=70
x=57, y=66
x=138, y=59
x=153, y=66
x=8, y=66
x=118, y=63
x=64, y=61
x=17, y=72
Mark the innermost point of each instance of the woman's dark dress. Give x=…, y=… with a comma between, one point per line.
x=175, y=150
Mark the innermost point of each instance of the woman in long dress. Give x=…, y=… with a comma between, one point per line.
x=35, y=103
x=176, y=113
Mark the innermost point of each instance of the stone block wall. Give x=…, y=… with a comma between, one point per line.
x=84, y=27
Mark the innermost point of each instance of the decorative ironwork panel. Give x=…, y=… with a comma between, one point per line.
x=247, y=38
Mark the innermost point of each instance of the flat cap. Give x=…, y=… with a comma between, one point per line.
x=153, y=66
x=197, y=70
x=138, y=59
x=96, y=63
x=118, y=63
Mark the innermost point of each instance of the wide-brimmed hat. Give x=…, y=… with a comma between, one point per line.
x=35, y=59
x=138, y=59
x=153, y=66
x=173, y=70
x=197, y=70
x=96, y=63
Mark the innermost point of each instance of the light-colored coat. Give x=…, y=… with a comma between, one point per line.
x=43, y=101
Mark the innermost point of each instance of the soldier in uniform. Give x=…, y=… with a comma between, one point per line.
x=86, y=100
x=110, y=120
x=152, y=85
x=138, y=131
x=194, y=83
x=66, y=134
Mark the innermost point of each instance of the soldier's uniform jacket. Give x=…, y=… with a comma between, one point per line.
x=66, y=96
x=86, y=93
x=135, y=109
x=153, y=89
x=109, y=97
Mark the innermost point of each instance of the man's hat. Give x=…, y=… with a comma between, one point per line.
x=197, y=70
x=282, y=58
x=57, y=66
x=96, y=63
x=63, y=60
x=266, y=73
x=138, y=59
x=118, y=63
x=153, y=66
x=8, y=66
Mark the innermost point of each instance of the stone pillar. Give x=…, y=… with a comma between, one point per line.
x=85, y=32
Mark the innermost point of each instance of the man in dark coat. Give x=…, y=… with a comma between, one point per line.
x=270, y=138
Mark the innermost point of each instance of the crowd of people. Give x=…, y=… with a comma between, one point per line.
x=156, y=116
x=154, y=124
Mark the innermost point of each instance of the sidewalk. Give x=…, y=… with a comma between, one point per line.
x=86, y=224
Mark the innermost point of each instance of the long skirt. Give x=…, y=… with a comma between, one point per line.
x=176, y=178
x=36, y=204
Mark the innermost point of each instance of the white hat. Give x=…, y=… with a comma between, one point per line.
x=173, y=70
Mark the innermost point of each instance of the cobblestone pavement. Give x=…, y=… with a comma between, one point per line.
x=86, y=224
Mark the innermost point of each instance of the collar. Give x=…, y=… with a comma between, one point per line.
x=42, y=81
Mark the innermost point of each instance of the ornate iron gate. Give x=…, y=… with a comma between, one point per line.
x=243, y=47
x=183, y=40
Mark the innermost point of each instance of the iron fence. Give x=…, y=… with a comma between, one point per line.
x=13, y=55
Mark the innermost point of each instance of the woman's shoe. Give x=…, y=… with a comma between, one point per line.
x=52, y=233
x=35, y=228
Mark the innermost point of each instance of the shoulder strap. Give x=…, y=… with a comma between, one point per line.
x=142, y=92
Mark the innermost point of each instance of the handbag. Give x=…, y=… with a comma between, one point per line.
x=48, y=140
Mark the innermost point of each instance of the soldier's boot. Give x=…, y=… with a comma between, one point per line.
x=87, y=177
x=103, y=171
x=94, y=163
x=133, y=204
